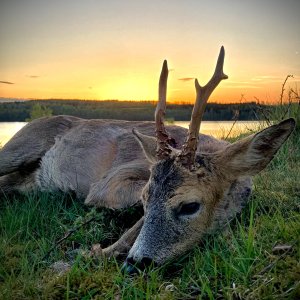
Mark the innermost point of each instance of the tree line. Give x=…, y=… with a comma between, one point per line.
x=123, y=110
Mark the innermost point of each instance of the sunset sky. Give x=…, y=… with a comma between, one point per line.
x=114, y=49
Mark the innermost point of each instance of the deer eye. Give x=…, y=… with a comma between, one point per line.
x=189, y=208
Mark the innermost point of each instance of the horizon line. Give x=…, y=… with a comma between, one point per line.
x=181, y=102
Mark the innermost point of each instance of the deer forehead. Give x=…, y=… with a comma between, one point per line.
x=165, y=178
x=172, y=184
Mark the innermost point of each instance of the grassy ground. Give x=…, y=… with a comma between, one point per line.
x=237, y=264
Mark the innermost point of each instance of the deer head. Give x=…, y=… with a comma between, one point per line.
x=185, y=186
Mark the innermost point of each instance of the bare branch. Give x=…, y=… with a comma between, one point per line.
x=283, y=87
x=68, y=234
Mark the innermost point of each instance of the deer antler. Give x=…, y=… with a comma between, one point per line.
x=163, y=139
x=187, y=155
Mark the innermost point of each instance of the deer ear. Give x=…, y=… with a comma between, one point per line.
x=252, y=154
x=148, y=144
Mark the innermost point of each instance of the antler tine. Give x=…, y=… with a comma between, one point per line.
x=187, y=155
x=163, y=139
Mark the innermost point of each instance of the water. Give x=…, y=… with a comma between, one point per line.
x=224, y=129
x=218, y=129
x=8, y=129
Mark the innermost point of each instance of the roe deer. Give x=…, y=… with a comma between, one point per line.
x=188, y=186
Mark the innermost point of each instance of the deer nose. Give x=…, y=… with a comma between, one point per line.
x=132, y=267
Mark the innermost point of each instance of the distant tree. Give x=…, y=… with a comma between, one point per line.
x=126, y=110
x=38, y=111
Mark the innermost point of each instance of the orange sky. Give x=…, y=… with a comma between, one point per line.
x=114, y=49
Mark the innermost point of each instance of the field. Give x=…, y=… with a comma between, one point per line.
x=243, y=262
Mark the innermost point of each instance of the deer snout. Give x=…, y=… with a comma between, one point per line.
x=132, y=267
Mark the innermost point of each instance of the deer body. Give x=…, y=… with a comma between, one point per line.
x=188, y=184
x=98, y=160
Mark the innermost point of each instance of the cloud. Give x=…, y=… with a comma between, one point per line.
x=241, y=86
x=186, y=78
x=33, y=76
x=6, y=82
x=268, y=79
x=240, y=82
x=265, y=78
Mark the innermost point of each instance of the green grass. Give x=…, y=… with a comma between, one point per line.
x=236, y=264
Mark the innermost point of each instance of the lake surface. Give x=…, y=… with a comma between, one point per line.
x=224, y=129
x=219, y=129
x=8, y=129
